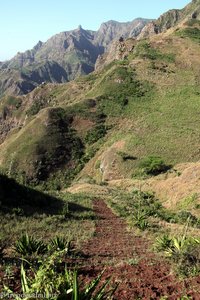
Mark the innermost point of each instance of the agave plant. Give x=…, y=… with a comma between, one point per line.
x=91, y=291
x=178, y=245
x=60, y=285
x=28, y=245
x=162, y=243
x=140, y=219
x=60, y=243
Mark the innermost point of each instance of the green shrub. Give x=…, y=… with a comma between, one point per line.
x=189, y=262
x=144, y=50
x=13, y=101
x=98, y=164
x=35, y=108
x=95, y=134
x=184, y=216
x=192, y=33
x=167, y=215
x=28, y=245
x=153, y=165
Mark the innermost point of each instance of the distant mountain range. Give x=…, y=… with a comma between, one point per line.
x=63, y=57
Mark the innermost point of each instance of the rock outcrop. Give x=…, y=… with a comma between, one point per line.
x=63, y=57
x=170, y=19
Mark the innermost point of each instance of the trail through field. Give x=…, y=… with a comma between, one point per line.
x=141, y=274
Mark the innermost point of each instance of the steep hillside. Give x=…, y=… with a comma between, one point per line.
x=118, y=151
x=63, y=57
x=171, y=18
x=143, y=100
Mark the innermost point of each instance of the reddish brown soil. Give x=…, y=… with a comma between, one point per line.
x=113, y=249
x=125, y=257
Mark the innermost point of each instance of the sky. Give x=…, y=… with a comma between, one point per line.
x=23, y=22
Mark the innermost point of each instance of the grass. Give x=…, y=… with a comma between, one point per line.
x=155, y=118
x=163, y=127
x=155, y=112
x=145, y=211
x=183, y=251
x=117, y=88
x=55, y=282
x=45, y=219
x=143, y=49
x=46, y=227
x=188, y=202
x=42, y=147
x=192, y=33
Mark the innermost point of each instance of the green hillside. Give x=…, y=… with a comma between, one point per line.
x=149, y=99
x=102, y=174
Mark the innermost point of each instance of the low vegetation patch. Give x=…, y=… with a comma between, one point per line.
x=56, y=282
x=143, y=49
x=37, y=234
x=144, y=210
x=151, y=166
x=13, y=101
x=28, y=216
x=95, y=134
x=191, y=32
x=183, y=251
x=120, y=88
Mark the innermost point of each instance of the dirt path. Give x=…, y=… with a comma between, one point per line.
x=141, y=274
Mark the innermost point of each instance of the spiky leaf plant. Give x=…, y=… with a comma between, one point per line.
x=28, y=245
x=60, y=284
x=60, y=243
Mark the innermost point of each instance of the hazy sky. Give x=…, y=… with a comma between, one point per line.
x=24, y=23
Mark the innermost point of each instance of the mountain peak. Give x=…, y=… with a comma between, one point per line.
x=63, y=57
x=38, y=46
x=79, y=28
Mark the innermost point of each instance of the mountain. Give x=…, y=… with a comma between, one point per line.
x=124, y=138
x=142, y=100
x=113, y=30
x=171, y=18
x=63, y=57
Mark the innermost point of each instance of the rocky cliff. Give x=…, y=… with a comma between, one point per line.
x=171, y=18
x=63, y=57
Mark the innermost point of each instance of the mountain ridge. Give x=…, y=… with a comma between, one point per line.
x=130, y=104
x=73, y=52
x=170, y=19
